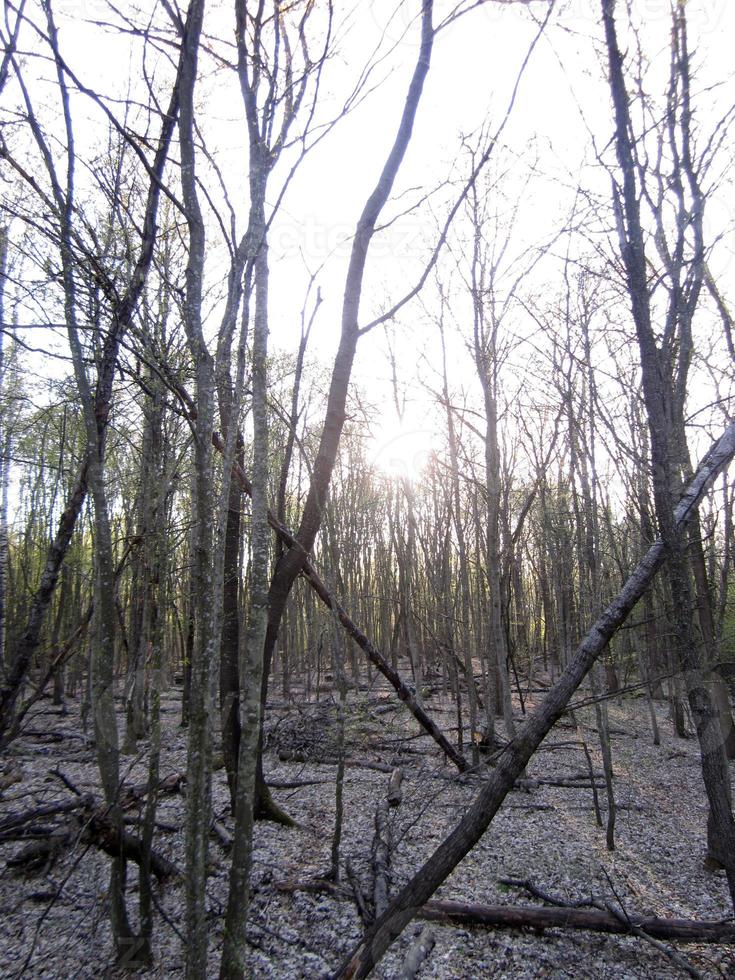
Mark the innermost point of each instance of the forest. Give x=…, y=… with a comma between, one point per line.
x=367, y=562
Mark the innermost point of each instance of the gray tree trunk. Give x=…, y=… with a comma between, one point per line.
x=198, y=774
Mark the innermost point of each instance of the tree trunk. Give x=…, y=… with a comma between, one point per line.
x=292, y=562
x=660, y=395
x=231, y=967
x=198, y=775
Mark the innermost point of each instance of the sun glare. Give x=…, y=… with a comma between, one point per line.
x=403, y=451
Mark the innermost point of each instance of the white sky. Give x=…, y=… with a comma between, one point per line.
x=474, y=67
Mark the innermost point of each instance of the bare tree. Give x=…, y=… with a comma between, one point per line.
x=664, y=387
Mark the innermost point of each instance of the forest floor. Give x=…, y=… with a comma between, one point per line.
x=53, y=920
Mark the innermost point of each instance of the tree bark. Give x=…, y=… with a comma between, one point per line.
x=6, y=431
x=198, y=799
x=250, y=702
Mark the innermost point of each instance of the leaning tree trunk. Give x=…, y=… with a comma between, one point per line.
x=529, y=737
x=292, y=562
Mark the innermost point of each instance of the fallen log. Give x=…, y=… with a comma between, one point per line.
x=417, y=954
x=102, y=831
x=296, y=783
x=287, y=755
x=381, y=854
x=449, y=912
x=594, y=920
x=561, y=783
x=395, y=793
x=324, y=886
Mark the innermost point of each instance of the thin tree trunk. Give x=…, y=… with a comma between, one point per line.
x=464, y=584
x=156, y=589
x=292, y=562
x=198, y=776
x=5, y=446
x=238, y=902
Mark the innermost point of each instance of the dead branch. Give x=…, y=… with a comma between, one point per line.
x=416, y=955
x=395, y=793
x=381, y=858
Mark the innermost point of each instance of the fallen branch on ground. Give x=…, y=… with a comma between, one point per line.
x=573, y=916
x=416, y=955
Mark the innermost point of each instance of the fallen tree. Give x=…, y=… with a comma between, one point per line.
x=516, y=755
x=90, y=821
x=93, y=825
x=102, y=831
x=594, y=920
x=590, y=916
